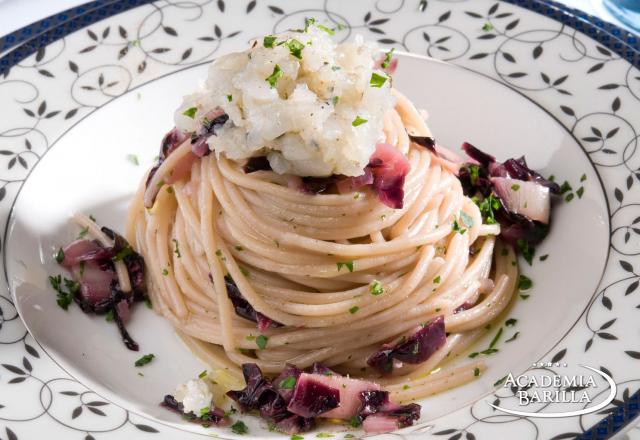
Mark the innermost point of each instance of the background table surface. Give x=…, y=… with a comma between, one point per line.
x=15, y=14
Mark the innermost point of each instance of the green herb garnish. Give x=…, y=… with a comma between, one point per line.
x=487, y=27
x=437, y=280
x=335, y=100
x=295, y=48
x=203, y=374
x=476, y=372
x=387, y=59
x=65, y=297
x=377, y=80
x=144, y=360
x=375, y=288
x=524, y=283
x=358, y=121
x=456, y=227
x=515, y=187
x=354, y=309
x=544, y=257
x=109, y=316
x=229, y=98
x=288, y=383
x=347, y=264
x=355, y=421
x=324, y=435
x=176, y=249
x=275, y=76
x=513, y=338
x=83, y=232
x=511, y=322
x=190, y=113
x=60, y=256
x=268, y=41
x=526, y=250
x=261, y=342
x=239, y=427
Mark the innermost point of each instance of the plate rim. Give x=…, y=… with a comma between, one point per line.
x=87, y=14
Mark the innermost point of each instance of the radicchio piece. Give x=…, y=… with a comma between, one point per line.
x=199, y=145
x=172, y=140
x=244, y=309
x=260, y=394
x=382, y=415
x=215, y=416
x=462, y=307
x=415, y=349
x=425, y=141
x=254, y=164
x=389, y=168
x=92, y=266
x=514, y=227
x=317, y=185
x=312, y=397
x=350, y=184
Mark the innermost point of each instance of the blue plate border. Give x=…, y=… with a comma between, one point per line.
x=28, y=39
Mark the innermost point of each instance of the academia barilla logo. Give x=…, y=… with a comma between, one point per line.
x=545, y=386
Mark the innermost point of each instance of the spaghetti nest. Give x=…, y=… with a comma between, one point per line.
x=342, y=274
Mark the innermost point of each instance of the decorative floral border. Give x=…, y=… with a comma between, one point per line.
x=496, y=52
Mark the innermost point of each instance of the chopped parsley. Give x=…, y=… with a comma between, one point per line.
x=387, y=59
x=355, y=421
x=60, y=256
x=297, y=437
x=275, y=76
x=244, y=271
x=268, y=41
x=405, y=387
x=495, y=339
x=190, y=113
x=515, y=187
x=375, y=288
x=109, y=316
x=295, y=48
x=147, y=302
x=358, y=121
x=511, y=322
x=487, y=27
x=347, y=264
x=527, y=250
x=544, y=257
x=288, y=383
x=65, y=297
x=513, y=338
x=580, y=192
x=335, y=100
x=476, y=372
x=565, y=187
x=165, y=272
x=569, y=197
x=335, y=68
x=261, y=342
x=83, y=232
x=524, y=283
x=144, y=360
x=474, y=173
x=354, y=309
x=377, y=80
x=487, y=207
x=466, y=219
x=326, y=29
x=229, y=98
x=239, y=427
x=239, y=248
x=324, y=435
x=583, y=178
x=456, y=227
x=349, y=436
x=203, y=374
x=176, y=249
x=437, y=280
x=123, y=253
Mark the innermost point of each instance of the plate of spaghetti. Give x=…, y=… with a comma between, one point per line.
x=319, y=233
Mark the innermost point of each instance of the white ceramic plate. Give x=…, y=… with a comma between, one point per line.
x=528, y=86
